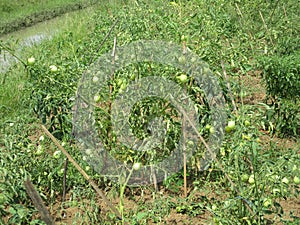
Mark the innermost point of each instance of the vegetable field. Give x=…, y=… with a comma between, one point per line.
x=222, y=78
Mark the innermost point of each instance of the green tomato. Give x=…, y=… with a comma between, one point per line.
x=212, y=130
x=182, y=78
x=119, y=81
x=207, y=127
x=57, y=154
x=245, y=177
x=267, y=202
x=136, y=166
x=97, y=98
x=31, y=61
x=296, y=180
x=183, y=38
x=251, y=179
x=53, y=68
x=132, y=77
x=214, y=207
x=40, y=150
x=227, y=129
x=122, y=87
x=285, y=180
x=60, y=172
x=231, y=124
x=247, y=123
x=95, y=79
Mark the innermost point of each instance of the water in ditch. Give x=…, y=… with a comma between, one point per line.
x=34, y=35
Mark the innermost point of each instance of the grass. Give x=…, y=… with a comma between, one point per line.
x=254, y=180
x=15, y=14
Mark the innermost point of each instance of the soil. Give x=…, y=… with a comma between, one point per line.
x=68, y=213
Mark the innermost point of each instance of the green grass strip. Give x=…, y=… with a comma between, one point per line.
x=17, y=14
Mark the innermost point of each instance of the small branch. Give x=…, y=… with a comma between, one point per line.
x=239, y=11
x=242, y=18
x=154, y=178
x=113, y=56
x=83, y=173
x=229, y=87
x=266, y=27
x=38, y=202
x=65, y=180
x=270, y=18
x=106, y=36
x=10, y=51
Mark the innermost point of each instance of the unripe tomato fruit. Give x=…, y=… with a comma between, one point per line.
x=247, y=123
x=296, y=180
x=136, y=166
x=267, y=203
x=53, y=68
x=244, y=177
x=182, y=78
x=251, y=179
x=285, y=180
x=96, y=98
x=31, y=61
x=231, y=124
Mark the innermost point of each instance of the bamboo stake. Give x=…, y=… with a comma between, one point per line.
x=184, y=139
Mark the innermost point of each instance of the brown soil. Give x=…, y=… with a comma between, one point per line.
x=67, y=215
x=289, y=206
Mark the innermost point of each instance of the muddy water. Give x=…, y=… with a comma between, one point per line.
x=34, y=35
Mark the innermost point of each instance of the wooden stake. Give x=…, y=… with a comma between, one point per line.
x=83, y=173
x=184, y=140
x=38, y=202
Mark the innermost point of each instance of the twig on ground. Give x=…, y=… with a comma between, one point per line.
x=38, y=202
x=106, y=36
x=266, y=27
